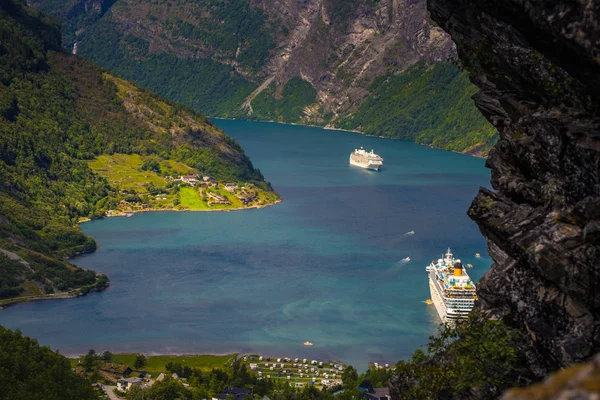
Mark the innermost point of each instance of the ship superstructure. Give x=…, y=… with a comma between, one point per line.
x=369, y=160
x=452, y=290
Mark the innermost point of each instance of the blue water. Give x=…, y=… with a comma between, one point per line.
x=325, y=265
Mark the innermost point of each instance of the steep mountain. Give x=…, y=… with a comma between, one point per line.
x=58, y=112
x=321, y=62
x=538, y=70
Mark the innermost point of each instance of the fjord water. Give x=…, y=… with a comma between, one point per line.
x=326, y=265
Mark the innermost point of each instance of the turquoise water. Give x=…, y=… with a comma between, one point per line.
x=325, y=265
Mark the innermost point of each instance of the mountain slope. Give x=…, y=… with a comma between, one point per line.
x=243, y=58
x=57, y=113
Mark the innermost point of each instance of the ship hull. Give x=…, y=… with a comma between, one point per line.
x=366, y=166
x=438, y=302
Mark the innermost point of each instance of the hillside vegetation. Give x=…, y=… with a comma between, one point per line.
x=428, y=105
x=30, y=371
x=340, y=63
x=58, y=112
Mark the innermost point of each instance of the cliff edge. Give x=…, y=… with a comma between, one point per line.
x=537, y=65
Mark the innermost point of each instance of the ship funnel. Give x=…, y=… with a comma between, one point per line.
x=458, y=269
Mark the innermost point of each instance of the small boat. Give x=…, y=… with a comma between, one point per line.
x=307, y=343
x=470, y=265
x=477, y=255
x=129, y=215
x=429, y=302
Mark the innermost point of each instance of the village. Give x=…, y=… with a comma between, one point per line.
x=115, y=379
x=173, y=186
x=193, y=192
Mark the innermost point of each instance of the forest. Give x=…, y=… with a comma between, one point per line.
x=31, y=371
x=58, y=112
x=429, y=105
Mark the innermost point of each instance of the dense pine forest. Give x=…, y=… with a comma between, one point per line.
x=58, y=112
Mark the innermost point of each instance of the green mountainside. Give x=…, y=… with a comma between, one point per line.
x=327, y=63
x=58, y=113
x=31, y=371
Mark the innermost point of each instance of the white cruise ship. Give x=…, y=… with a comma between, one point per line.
x=452, y=290
x=361, y=158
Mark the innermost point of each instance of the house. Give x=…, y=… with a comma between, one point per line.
x=230, y=187
x=116, y=369
x=253, y=366
x=206, y=178
x=125, y=384
x=238, y=394
x=371, y=393
x=189, y=179
x=160, y=377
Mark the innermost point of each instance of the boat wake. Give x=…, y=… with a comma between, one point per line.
x=402, y=262
x=410, y=233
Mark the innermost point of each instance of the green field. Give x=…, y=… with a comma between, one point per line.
x=156, y=364
x=124, y=172
x=190, y=199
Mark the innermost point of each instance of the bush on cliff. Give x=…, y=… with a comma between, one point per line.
x=477, y=354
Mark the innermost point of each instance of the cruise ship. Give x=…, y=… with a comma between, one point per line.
x=452, y=290
x=361, y=158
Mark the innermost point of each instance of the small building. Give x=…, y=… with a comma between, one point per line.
x=190, y=179
x=116, y=369
x=206, y=178
x=125, y=384
x=371, y=393
x=230, y=187
x=161, y=377
x=237, y=393
x=253, y=366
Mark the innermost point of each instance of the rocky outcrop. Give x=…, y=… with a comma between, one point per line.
x=340, y=46
x=581, y=382
x=537, y=65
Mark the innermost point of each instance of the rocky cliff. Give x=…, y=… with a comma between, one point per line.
x=314, y=62
x=537, y=65
x=340, y=46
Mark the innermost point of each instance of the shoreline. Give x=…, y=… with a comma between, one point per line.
x=52, y=296
x=333, y=128
x=124, y=214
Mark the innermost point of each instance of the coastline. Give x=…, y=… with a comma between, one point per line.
x=333, y=128
x=71, y=294
x=124, y=214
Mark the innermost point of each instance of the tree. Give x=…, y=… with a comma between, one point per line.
x=350, y=375
x=31, y=371
x=107, y=356
x=140, y=361
x=89, y=359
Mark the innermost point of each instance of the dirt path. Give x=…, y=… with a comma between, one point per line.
x=247, y=104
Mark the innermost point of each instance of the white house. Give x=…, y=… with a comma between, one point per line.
x=191, y=179
x=125, y=384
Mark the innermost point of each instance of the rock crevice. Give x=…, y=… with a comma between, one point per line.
x=537, y=66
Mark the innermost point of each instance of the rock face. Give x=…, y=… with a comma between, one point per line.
x=340, y=46
x=581, y=382
x=537, y=65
